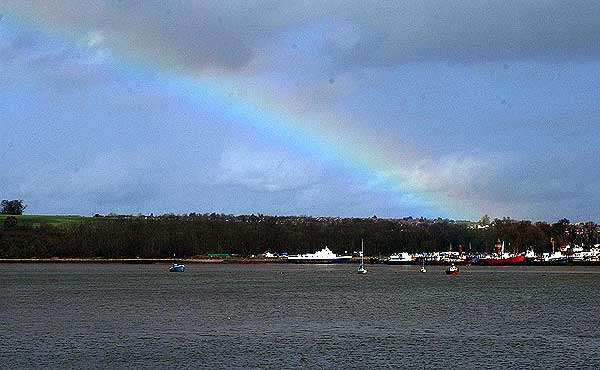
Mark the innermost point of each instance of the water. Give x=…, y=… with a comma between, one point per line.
x=289, y=316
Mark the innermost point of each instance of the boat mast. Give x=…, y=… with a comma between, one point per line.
x=362, y=251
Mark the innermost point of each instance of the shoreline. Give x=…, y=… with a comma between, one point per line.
x=140, y=261
x=238, y=260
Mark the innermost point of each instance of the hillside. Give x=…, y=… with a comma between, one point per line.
x=53, y=220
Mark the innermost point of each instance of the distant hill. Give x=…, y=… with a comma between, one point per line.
x=54, y=220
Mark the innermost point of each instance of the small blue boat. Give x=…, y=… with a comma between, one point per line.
x=177, y=267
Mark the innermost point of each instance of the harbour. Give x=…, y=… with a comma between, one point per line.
x=566, y=256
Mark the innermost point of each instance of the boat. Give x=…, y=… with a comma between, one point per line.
x=580, y=257
x=423, y=269
x=500, y=258
x=448, y=258
x=555, y=258
x=325, y=255
x=361, y=268
x=452, y=270
x=400, y=259
x=177, y=267
x=530, y=257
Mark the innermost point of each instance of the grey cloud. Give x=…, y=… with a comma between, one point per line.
x=468, y=31
x=190, y=35
x=224, y=34
x=536, y=186
x=233, y=35
x=63, y=68
x=266, y=170
x=104, y=184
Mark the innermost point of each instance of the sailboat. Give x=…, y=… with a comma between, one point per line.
x=423, y=269
x=176, y=267
x=361, y=268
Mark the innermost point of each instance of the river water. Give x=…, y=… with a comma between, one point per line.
x=290, y=316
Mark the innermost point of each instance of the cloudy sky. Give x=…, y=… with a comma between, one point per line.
x=341, y=108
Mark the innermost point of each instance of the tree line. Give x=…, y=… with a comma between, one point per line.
x=246, y=235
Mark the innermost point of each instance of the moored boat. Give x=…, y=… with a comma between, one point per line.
x=423, y=269
x=502, y=260
x=325, y=255
x=177, y=267
x=400, y=259
x=452, y=270
x=555, y=258
x=447, y=258
x=361, y=268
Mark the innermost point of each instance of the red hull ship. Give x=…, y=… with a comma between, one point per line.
x=501, y=259
x=516, y=260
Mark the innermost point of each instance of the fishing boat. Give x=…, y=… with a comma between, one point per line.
x=177, y=267
x=361, y=268
x=452, y=270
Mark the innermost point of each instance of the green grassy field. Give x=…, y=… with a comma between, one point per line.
x=54, y=220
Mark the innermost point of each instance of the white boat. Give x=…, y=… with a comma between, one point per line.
x=423, y=269
x=400, y=259
x=555, y=258
x=452, y=270
x=361, y=268
x=325, y=255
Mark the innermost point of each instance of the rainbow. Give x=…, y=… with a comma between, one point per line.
x=384, y=166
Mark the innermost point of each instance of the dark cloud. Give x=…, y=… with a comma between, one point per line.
x=189, y=36
x=322, y=57
x=61, y=67
x=224, y=34
x=474, y=31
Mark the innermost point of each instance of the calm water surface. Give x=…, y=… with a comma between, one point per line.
x=282, y=316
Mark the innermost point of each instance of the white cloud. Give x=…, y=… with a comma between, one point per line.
x=95, y=38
